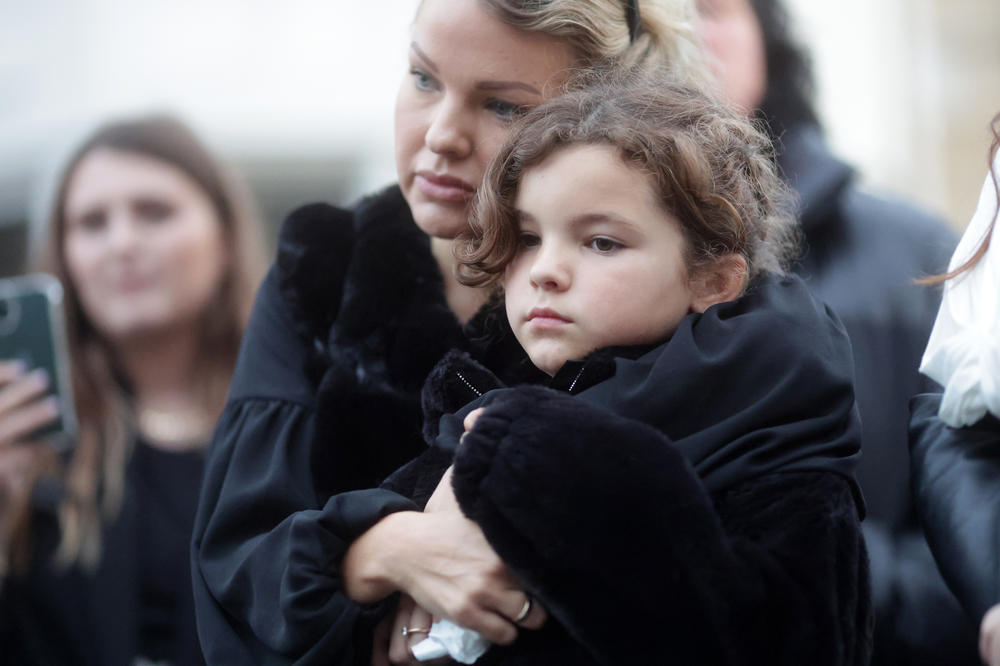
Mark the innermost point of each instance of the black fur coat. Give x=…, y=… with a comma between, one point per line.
x=325, y=405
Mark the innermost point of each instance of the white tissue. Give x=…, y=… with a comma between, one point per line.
x=963, y=353
x=447, y=639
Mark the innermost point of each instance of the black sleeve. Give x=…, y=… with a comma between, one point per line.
x=611, y=528
x=919, y=621
x=956, y=484
x=267, y=545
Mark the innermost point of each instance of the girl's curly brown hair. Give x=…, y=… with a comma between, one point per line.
x=711, y=169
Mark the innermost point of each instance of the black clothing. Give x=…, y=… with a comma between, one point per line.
x=137, y=602
x=326, y=402
x=862, y=255
x=956, y=483
x=754, y=386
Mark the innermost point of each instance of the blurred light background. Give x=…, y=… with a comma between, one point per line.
x=298, y=95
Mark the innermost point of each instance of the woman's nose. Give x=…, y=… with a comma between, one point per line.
x=450, y=132
x=550, y=269
x=122, y=233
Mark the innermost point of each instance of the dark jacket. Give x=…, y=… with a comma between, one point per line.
x=588, y=507
x=326, y=404
x=956, y=484
x=862, y=254
x=137, y=601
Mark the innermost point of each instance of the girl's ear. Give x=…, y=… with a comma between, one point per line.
x=722, y=280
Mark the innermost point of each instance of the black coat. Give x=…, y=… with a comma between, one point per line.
x=138, y=599
x=326, y=403
x=863, y=253
x=956, y=483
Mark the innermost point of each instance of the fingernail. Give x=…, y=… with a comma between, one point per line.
x=52, y=405
x=41, y=377
x=18, y=367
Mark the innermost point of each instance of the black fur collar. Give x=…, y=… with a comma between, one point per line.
x=365, y=280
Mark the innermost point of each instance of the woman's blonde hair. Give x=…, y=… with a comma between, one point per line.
x=94, y=476
x=600, y=35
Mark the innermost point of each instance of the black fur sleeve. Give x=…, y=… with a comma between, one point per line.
x=611, y=529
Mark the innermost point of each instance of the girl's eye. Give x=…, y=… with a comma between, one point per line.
x=528, y=240
x=506, y=111
x=604, y=245
x=152, y=210
x=422, y=80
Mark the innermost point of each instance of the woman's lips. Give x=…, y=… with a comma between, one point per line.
x=443, y=187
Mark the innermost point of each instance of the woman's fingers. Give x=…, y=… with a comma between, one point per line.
x=470, y=421
x=23, y=409
x=989, y=637
x=399, y=646
x=17, y=424
x=11, y=370
x=417, y=628
x=16, y=390
x=529, y=614
x=380, y=642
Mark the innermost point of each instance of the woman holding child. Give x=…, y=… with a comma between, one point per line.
x=686, y=497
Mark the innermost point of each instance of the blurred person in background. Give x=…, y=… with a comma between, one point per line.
x=863, y=255
x=158, y=250
x=955, y=435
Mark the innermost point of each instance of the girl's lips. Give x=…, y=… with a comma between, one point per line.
x=545, y=318
x=443, y=188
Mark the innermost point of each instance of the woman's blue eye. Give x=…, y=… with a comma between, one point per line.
x=423, y=81
x=604, y=245
x=506, y=110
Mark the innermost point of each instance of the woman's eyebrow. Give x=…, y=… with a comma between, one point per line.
x=423, y=56
x=505, y=85
x=480, y=85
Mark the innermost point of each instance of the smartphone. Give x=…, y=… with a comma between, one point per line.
x=32, y=330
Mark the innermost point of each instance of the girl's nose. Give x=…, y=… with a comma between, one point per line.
x=450, y=132
x=550, y=269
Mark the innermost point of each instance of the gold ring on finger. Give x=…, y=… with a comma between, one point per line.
x=525, y=609
x=415, y=630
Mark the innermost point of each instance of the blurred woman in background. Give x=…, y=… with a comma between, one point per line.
x=158, y=252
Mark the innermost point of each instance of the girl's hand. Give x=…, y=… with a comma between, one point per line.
x=989, y=637
x=23, y=405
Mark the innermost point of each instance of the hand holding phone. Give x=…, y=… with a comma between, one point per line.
x=25, y=407
x=35, y=397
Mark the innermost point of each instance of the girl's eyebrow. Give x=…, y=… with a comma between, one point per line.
x=601, y=218
x=480, y=85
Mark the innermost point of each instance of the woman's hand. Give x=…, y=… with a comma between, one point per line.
x=989, y=637
x=441, y=559
x=23, y=405
x=392, y=646
x=23, y=409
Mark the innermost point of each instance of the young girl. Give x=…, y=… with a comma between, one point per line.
x=692, y=499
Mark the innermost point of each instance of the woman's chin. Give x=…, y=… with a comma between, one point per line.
x=441, y=219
